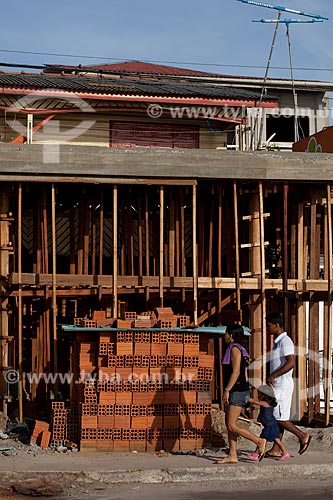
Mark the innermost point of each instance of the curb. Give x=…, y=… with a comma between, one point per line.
x=238, y=473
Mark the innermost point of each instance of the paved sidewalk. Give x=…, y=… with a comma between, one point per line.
x=149, y=468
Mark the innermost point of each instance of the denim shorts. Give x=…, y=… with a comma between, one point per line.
x=239, y=398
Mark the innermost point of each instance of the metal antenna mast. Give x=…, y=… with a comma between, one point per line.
x=314, y=18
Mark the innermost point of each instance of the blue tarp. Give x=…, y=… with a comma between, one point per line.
x=212, y=330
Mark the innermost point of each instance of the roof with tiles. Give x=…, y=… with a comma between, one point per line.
x=139, y=67
x=124, y=86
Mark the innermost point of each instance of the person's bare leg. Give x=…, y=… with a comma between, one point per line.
x=240, y=431
x=234, y=430
x=303, y=437
x=281, y=446
x=232, y=439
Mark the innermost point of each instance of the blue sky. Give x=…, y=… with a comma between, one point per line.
x=184, y=32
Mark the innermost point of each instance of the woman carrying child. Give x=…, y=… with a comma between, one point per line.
x=271, y=430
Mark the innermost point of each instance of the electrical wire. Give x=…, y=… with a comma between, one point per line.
x=152, y=61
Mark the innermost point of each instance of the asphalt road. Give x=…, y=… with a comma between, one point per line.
x=296, y=490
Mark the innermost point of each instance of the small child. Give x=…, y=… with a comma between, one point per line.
x=271, y=430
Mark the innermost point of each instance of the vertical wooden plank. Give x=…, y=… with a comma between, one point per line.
x=256, y=314
x=262, y=282
x=101, y=232
x=140, y=246
x=147, y=241
x=219, y=232
x=211, y=232
x=316, y=338
x=54, y=282
x=238, y=298
x=220, y=371
x=147, y=234
x=93, y=239
x=219, y=255
x=171, y=235
x=182, y=240
x=4, y=271
x=115, y=251
x=45, y=249
x=131, y=240
x=86, y=225
x=122, y=240
x=300, y=387
x=72, y=240
x=300, y=242
x=328, y=336
x=177, y=235
x=195, y=254
x=81, y=237
x=161, y=274
x=313, y=313
x=285, y=251
x=20, y=325
x=36, y=244
x=201, y=242
x=293, y=244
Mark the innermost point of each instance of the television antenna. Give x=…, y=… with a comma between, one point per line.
x=314, y=18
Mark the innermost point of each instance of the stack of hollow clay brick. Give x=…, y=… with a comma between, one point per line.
x=143, y=390
x=161, y=317
x=64, y=424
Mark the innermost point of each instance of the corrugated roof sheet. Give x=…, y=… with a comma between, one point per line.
x=125, y=86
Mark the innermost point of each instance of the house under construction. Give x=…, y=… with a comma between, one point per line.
x=217, y=236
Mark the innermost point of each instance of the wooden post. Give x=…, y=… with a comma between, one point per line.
x=72, y=240
x=54, y=284
x=219, y=247
x=4, y=271
x=313, y=366
x=182, y=240
x=301, y=323
x=101, y=234
x=147, y=242
x=177, y=236
x=171, y=235
x=115, y=251
x=211, y=233
x=263, y=283
x=238, y=298
x=140, y=249
x=20, y=326
x=86, y=224
x=285, y=251
x=161, y=274
x=195, y=255
x=93, y=240
x=256, y=309
x=328, y=357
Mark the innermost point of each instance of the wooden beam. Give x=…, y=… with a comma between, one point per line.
x=285, y=249
x=161, y=271
x=101, y=232
x=20, y=325
x=237, y=271
x=115, y=250
x=328, y=353
x=195, y=254
x=54, y=283
x=263, y=282
x=215, y=309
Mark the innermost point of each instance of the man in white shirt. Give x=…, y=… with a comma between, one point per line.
x=282, y=362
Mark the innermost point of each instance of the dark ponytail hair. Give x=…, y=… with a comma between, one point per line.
x=237, y=333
